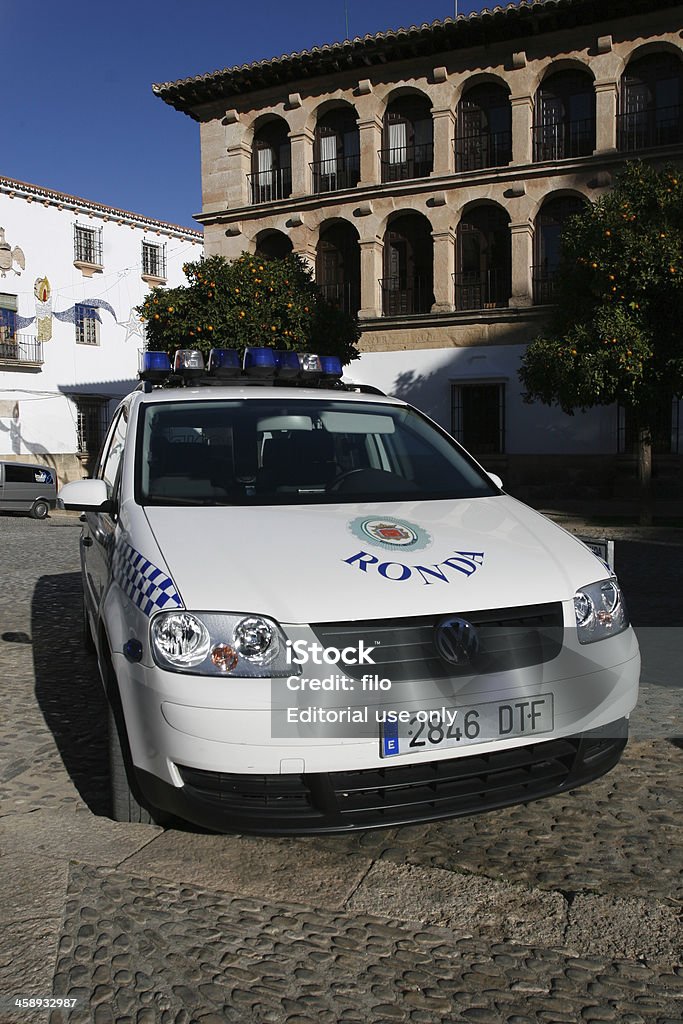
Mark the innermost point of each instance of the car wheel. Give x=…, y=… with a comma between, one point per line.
x=40, y=509
x=124, y=802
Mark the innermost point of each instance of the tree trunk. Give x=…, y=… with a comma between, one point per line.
x=645, y=475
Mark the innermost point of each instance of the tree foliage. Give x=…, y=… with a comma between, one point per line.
x=249, y=301
x=617, y=333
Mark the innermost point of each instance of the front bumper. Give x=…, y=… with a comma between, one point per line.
x=341, y=801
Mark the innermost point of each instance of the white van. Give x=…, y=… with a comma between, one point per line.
x=27, y=487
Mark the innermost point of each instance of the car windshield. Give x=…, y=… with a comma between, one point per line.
x=296, y=451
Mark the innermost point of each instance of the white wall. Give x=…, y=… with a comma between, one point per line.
x=36, y=416
x=423, y=377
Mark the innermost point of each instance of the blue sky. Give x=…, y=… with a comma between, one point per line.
x=78, y=113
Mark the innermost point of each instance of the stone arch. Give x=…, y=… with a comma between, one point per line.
x=407, y=135
x=273, y=244
x=336, y=146
x=651, y=98
x=408, y=264
x=552, y=214
x=483, y=256
x=483, y=132
x=337, y=264
x=271, y=159
x=564, y=111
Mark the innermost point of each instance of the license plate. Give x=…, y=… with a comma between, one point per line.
x=420, y=732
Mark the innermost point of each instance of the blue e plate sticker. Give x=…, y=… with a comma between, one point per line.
x=389, y=739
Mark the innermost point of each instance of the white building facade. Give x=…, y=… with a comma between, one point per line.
x=71, y=274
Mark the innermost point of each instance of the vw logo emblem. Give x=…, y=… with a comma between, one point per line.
x=456, y=640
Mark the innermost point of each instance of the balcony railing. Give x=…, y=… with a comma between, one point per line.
x=561, y=140
x=333, y=174
x=407, y=162
x=22, y=348
x=402, y=297
x=645, y=129
x=342, y=296
x=482, y=289
x=544, y=284
x=485, y=149
x=267, y=186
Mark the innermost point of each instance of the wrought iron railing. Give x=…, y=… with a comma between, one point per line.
x=342, y=296
x=544, y=284
x=403, y=162
x=22, y=348
x=335, y=173
x=482, y=289
x=560, y=140
x=485, y=149
x=644, y=129
x=401, y=297
x=267, y=186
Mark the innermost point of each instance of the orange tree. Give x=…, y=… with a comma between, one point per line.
x=249, y=301
x=617, y=332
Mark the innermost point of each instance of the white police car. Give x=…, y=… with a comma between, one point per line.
x=314, y=611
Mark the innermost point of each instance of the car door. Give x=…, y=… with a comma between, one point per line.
x=97, y=538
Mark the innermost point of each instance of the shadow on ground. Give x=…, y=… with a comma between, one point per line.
x=68, y=687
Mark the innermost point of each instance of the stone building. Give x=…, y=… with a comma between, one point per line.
x=426, y=174
x=72, y=272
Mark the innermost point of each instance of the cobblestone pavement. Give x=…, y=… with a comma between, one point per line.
x=568, y=909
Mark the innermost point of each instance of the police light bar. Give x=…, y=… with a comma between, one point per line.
x=287, y=364
x=259, y=362
x=331, y=367
x=310, y=366
x=188, y=362
x=154, y=366
x=224, y=362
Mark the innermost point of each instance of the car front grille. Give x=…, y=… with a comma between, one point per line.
x=399, y=794
x=509, y=638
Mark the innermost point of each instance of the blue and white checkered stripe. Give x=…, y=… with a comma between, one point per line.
x=144, y=583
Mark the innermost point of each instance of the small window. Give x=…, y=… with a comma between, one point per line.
x=154, y=260
x=88, y=245
x=92, y=419
x=87, y=325
x=25, y=474
x=478, y=417
x=666, y=430
x=109, y=470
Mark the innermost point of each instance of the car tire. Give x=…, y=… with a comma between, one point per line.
x=40, y=509
x=125, y=805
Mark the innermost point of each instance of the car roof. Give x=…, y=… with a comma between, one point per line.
x=243, y=391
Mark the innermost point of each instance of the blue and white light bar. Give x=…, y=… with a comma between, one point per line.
x=224, y=362
x=287, y=364
x=331, y=367
x=154, y=366
x=259, y=362
x=188, y=363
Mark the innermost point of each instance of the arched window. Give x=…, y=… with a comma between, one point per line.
x=337, y=267
x=484, y=128
x=408, y=139
x=273, y=245
x=408, y=282
x=650, y=102
x=336, y=151
x=564, y=116
x=271, y=163
x=483, y=278
x=549, y=226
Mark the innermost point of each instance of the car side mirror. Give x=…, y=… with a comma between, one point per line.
x=85, y=496
x=494, y=478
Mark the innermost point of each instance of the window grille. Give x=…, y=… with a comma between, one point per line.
x=154, y=260
x=91, y=424
x=88, y=245
x=478, y=417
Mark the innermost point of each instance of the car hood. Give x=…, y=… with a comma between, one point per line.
x=302, y=564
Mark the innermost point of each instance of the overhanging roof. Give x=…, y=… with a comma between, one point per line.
x=513, y=21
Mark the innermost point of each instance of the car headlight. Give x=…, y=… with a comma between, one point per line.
x=213, y=644
x=600, y=611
